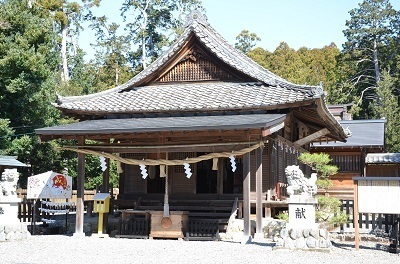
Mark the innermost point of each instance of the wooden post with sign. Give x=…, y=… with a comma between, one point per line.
x=375, y=195
x=355, y=217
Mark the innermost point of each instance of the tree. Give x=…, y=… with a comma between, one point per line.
x=246, y=41
x=286, y=62
x=111, y=52
x=387, y=107
x=67, y=16
x=27, y=66
x=369, y=31
x=152, y=24
x=260, y=56
x=62, y=12
x=149, y=20
x=306, y=66
x=6, y=134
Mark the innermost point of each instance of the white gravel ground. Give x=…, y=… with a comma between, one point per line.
x=60, y=249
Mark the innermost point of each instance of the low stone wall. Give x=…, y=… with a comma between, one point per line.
x=305, y=239
x=14, y=232
x=271, y=229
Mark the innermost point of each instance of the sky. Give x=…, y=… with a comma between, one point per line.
x=300, y=23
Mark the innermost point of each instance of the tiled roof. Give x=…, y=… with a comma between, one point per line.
x=159, y=124
x=198, y=25
x=188, y=97
x=364, y=133
x=11, y=161
x=382, y=158
x=273, y=89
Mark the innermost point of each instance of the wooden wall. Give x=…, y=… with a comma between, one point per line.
x=383, y=170
x=178, y=182
x=133, y=181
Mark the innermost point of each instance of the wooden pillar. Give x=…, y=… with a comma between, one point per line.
x=105, y=188
x=259, y=206
x=106, y=178
x=220, y=176
x=355, y=217
x=80, y=208
x=246, y=199
x=363, y=164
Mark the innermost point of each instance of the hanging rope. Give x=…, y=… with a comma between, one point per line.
x=164, y=161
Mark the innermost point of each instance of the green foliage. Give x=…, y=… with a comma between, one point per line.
x=6, y=134
x=111, y=55
x=370, y=33
x=283, y=216
x=324, y=183
x=319, y=163
x=40, y=156
x=151, y=22
x=387, y=107
x=246, y=41
x=328, y=211
x=304, y=66
x=94, y=175
x=27, y=66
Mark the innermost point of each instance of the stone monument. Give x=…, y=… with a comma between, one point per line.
x=302, y=232
x=10, y=226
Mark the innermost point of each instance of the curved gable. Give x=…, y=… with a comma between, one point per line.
x=195, y=63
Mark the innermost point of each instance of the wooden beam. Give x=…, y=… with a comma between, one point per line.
x=312, y=137
x=163, y=136
x=273, y=129
x=207, y=147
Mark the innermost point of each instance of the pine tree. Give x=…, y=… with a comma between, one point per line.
x=369, y=32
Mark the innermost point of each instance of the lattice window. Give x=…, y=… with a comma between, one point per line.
x=195, y=70
x=135, y=155
x=181, y=156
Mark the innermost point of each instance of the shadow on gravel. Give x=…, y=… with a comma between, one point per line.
x=349, y=246
x=264, y=244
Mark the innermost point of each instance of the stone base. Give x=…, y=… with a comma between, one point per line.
x=79, y=235
x=100, y=236
x=304, y=239
x=17, y=231
x=259, y=236
x=9, y=210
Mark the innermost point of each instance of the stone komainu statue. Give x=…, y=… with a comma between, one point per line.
x=8, y=182
x=298, y=184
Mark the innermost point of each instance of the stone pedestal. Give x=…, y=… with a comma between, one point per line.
x=10, y=226
x=9, y=210
x=302, y=212
x=302, y=232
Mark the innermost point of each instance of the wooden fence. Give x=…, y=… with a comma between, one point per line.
x=386, y=223
x=28, y=208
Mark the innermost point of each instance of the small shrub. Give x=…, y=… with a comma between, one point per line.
x=328, y=211
x=283, y=216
